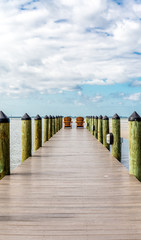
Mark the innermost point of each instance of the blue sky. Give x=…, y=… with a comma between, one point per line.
x=73, y=57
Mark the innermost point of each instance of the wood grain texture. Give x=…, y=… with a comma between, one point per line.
x=71, y=189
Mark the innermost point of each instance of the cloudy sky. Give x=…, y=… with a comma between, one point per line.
x=70, y=57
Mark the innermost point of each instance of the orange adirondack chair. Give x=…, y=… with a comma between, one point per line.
x=80, y=122
x=67, y=122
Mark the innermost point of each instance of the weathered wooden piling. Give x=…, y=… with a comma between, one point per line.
x=90, y=123
x=116, y=147
x=61, y=122
x=135, y=145
x=4, y=145
x=45, y=129
x=93, y=125
x=37, y=132
x=53, y=125
x=87, y=122
x=105, y=131
x=26, y=137
x=50, y=127
x=100, y=129
x=56, y=124
x=96, y=127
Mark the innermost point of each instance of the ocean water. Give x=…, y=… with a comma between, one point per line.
x=124, y=152
x=15, y=143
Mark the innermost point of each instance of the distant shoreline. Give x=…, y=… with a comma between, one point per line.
x=63, y=117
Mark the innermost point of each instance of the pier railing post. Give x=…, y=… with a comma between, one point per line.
x=135, y=145
x=37, y=132
x=96, y=127
x=53, y=125
x=90, y=123
x=56, y=124
x=50, y=127
x=86, y=121
x=91, y=130
x=26, y=137
x=116, y=147
x=45, y=129
x=61, y=122
x=105, y=131
x=100, y=129
x=4, y=145
x=93, y=125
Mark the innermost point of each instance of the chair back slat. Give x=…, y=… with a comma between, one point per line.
x=67, y=122
x=79, y=122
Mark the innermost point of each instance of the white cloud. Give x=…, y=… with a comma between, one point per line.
x=136, y=83
x=134, y=97
x=78, y=103
x=96, y=98
x=56, y=46
x=79, y=93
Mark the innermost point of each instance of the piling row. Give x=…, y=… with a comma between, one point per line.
x=100, y=126
x=51, y=125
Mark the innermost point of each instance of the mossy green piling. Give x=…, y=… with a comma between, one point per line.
x=105, y=131
x=37, y=132
x=4, y=145
x=26, y=137
x=116, y=147
x=135, y=145
x=100, y=129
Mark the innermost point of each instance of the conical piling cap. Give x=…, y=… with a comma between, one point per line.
x=46, y=117
x=116, y=116
x=105, y=118
x=134, y=117
x=26, y=117
x=100, y=117
x=96, y=117
x=37, y=117
x=50, y=117
x=3, y=118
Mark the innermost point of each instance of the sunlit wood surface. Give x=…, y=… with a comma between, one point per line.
x=71, y=189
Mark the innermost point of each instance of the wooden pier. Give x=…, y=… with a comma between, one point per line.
x=70, y=189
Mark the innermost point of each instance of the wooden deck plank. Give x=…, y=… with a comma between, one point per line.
x=71, y=188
